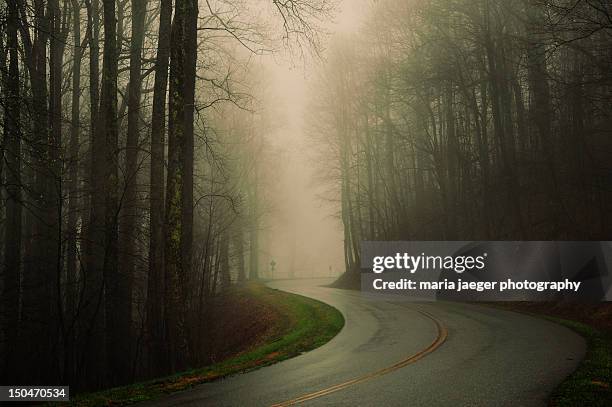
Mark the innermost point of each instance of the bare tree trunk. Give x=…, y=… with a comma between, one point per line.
x=12, y=232
x=370, y=179
x=155, y=288
x=122, y=358
x=73, y=199
x=254, y=229
x=90, y=340
x=452, y=164
x=105, y=199
x=93, y=22
x=179, y=195
x=101, y=271
x=541, y=114
x=55, y=200
x=239, y=248
x=349, y=260
x=36, y=290
x=501, y=106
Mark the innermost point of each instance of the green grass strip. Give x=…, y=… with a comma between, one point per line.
x=590, y=384
x=311, y=324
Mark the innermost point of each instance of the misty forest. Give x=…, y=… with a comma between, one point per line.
x=149, y=165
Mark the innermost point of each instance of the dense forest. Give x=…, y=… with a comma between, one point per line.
x=133, y=177
x=137, y=171
x=469, y=120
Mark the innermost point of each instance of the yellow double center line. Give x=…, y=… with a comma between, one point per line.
x=438, y=341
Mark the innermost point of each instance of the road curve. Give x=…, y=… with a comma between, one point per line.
x=397, y=353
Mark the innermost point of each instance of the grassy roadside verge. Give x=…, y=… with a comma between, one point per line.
x=591, y=383
x=304, y=325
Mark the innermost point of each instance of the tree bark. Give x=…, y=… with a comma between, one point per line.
x=106, y=197
x=73, y=187
x=12, y=231
x=179, y=195
x=155, y=286
x=129, y=208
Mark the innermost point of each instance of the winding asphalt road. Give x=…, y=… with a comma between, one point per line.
x=397, y=353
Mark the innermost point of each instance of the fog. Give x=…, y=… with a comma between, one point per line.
x=304, y=236
x=160, y=156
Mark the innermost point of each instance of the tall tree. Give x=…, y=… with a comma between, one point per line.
x=129, y=207
x=179, y=190
x=155, y=295
x=106, y=175
x=74, y=201
x=37, y=292
x=58, y=17
x=12, y=231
